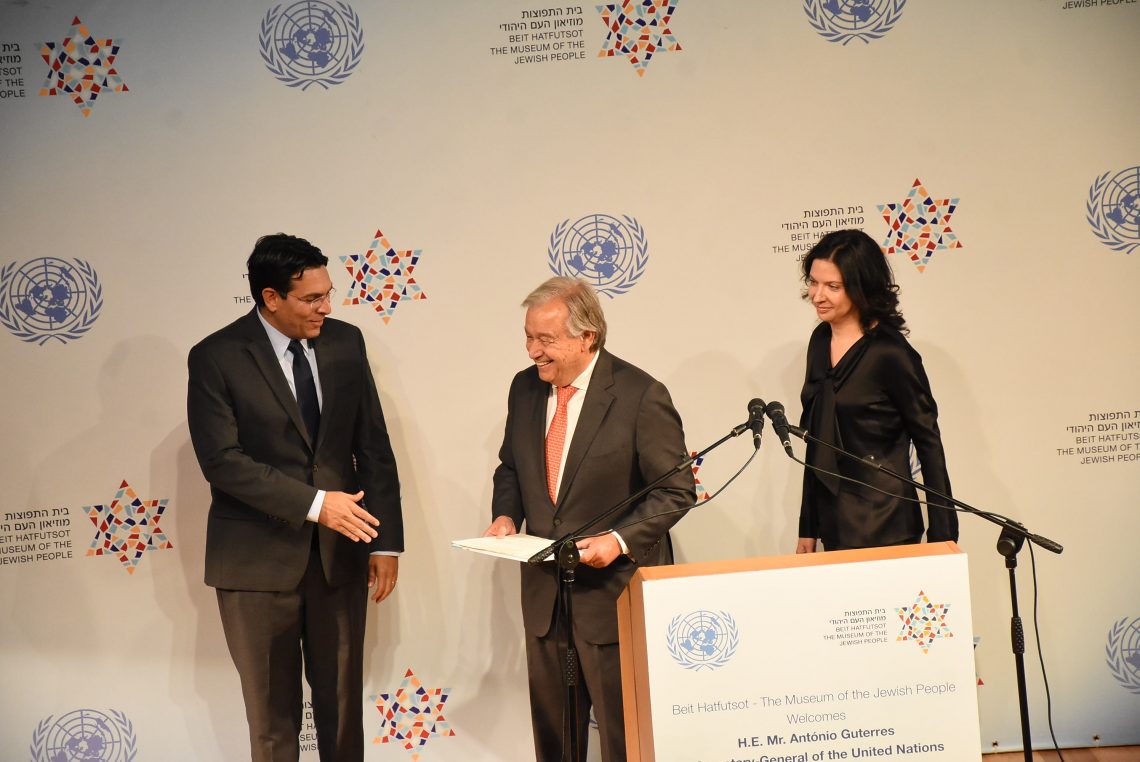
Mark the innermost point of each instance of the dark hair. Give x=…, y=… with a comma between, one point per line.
x=277, y=260
x=867, y=276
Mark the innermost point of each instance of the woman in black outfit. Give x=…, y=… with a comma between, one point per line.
x=865, y=391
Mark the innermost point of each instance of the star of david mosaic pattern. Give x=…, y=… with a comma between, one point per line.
x=411, y=715
x=382, y=277
x=637, y=30
x=128, y=527
x=919, y=225
x=702, y=493
x=923, y=622
x=81, y=66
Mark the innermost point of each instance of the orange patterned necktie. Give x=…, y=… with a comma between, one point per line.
x=555, y=439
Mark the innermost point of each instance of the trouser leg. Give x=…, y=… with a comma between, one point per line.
x=333, y=640
x=263, y=634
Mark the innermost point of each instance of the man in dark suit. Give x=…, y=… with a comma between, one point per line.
x=305, y=501
x=584, y=431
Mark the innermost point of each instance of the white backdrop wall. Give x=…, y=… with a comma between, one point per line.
x=718, y=153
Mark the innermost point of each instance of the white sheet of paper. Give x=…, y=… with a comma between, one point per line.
x=516, y=547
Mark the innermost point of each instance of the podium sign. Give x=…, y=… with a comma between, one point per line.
x=862, y=654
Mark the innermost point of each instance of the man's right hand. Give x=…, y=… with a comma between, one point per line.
x=340, y=513
x=501, y=527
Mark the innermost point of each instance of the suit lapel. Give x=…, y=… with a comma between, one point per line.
x=262, y=352
x=536, y=429
x=594, y=407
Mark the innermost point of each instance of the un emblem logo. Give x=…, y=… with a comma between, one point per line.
x=311, y=42
x=48, y=299
x=702, y=639
x=1113, y=209
x=1122, y=652
x=87, y=735
x=846, y=20
x=609, y=253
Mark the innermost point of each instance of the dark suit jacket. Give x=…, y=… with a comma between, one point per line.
x=264, y=472
x=628, y=434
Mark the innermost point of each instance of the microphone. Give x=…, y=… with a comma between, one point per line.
x=756, y=420
x=775, y=411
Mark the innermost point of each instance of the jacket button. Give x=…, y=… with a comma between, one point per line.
x=314, y=469
x=557, y=522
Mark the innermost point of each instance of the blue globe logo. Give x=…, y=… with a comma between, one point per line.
x=608, y=252
x=847, y=20
x=1130, y=649
x=49, y=299
x=1120, y=203
x=1113, y=209
x=311, y=42
x=852, y=14
x=703, y=639
x=1123, y=653
x=85, y=735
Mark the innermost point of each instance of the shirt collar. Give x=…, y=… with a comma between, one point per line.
x=583, y=379
x=279, y=340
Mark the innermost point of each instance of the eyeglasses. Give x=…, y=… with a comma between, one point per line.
x=314, y=302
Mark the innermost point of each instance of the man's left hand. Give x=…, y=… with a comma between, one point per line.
x=382, y=572
x=599, y=552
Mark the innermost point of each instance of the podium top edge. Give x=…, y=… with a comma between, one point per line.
x=793, y=561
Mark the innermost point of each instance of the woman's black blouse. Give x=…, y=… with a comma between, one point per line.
x=874, y=403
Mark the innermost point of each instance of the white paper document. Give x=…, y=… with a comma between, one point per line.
x=516, y=547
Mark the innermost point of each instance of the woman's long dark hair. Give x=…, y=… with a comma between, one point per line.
x=867, y=276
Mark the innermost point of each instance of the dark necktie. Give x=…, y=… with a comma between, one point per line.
x=306, y=390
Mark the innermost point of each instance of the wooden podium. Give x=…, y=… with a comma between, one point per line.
x=802, y=658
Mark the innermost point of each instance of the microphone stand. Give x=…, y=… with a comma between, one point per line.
x=568, y=559
x=1013, y=536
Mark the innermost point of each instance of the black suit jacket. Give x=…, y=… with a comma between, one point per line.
x=264, y=472
x=628, y=434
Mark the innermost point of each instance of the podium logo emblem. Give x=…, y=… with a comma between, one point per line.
x=702, y=639
x=923, y=622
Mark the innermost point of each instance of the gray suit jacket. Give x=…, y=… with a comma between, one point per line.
x=628, y=434
x=264, y=472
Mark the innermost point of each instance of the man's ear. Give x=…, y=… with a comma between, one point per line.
x=271, y=298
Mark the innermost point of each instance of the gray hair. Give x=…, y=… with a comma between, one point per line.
x=582, y=303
